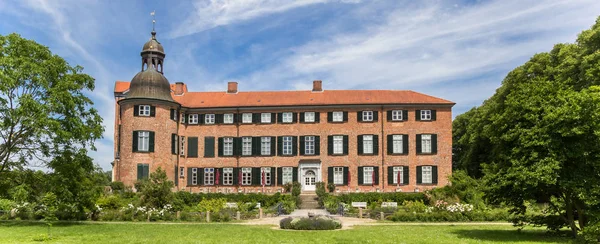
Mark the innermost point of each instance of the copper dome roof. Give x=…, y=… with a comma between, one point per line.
x=153, y=45
x=150, y=84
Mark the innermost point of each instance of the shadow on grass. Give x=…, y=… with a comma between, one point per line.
x=503, y=236
x=22, y=223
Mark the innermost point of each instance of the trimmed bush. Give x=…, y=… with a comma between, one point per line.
x=444, y=216
x=315, y=223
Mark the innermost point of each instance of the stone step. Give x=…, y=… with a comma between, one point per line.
x=304, y=212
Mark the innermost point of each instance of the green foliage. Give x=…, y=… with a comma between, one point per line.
x=212, y=205
x=157, y=191
x=117, y=186
x=371, y=197
x=109, y=202
x=50, y=208
x=296, y=188
x=463, y=189
x=403, y=216
x=315, y=223
x=320, y=189
x=192, y=199
x=331, y=187
x=414, y=206
x=7, y=205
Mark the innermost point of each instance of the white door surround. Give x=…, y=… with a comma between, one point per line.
x=310, y=174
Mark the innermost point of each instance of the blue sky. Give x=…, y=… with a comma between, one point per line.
x=457, y=50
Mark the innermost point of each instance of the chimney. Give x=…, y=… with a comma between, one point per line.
x=317, y=86
x=232, y=87
x=179, y=88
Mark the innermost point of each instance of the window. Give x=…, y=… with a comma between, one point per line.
x=287, y=145
x=182, y=145
x=228, y=176
x=209, y=176
x=286, y=117
x=194, y=176
x=228, y=118
x=426, y=143
x=338, y=144
x=246, y=146
x=265, y=177
x=397, y=144
x=181, y=172
x=182, y=118
x=426, y=174
x=143, y=141
x=338, y=117
x=368, y=175
x=247, y=118
x=309, y=117
x=425, y=114
x=228, y=146
x=193, y=119
x=396, y=115
x=209, y=119
x=174, y=115
x=287, y=175
x=246, y=176
x=144, y=110
x=368, y=144
x=367, y=116
x=398, y=175
x=265, y=147
x=309, y=145
x=338, y=175
x=265, y=117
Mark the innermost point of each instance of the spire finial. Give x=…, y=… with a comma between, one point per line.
x=153, y=22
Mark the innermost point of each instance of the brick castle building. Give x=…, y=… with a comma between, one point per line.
x=236, y=141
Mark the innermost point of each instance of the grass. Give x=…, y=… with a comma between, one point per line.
x=27, y=232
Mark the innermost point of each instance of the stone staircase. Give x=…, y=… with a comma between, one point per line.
x=309, y=201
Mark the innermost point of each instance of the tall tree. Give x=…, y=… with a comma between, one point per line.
x=43, y=108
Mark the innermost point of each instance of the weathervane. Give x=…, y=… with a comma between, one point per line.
x=153, y=19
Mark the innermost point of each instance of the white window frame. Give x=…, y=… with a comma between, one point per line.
x=287, y=175
x=287, y=145
x=368, y=175
x=397, y=115
x=227, y=118
x=265, y=118
x=265, y=146
x=182, y=145
x=246, y=146
x=143, y=141
x=246, y=176
x=426, y=143
x=181, y=172
x=228, y=176
x=426, y=175
x=209, y=119
x=192, y=119
x=247, y=118
x=395, y=171
x=337, y=116
x=228, y=146
x=338, y=175
x=367, y=144
x=338, y=144
x=144, y=110
x=309, y=117
x=309, y=145
x=367, y=116
x=287, y=117
x=266, y=171
x=194, y=176
x=209, y=176
x=397, y=144
x=425, y=114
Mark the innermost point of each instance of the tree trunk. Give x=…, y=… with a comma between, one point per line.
x=580, y=214
x=570, y=217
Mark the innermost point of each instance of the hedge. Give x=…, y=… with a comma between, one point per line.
x=372, y=197
x=192, y=199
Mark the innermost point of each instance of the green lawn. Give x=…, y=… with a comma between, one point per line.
x=24, y=232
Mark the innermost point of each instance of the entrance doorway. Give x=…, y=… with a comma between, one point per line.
x=310, y=180
x=310, y=174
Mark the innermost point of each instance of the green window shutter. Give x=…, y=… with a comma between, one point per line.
x=330, y=175
x=390, y=144
x=406, y=175
x=173, y=143
x=295, y=174
x=346, y=173
x=434, y=143
x=389, y=115
x=236, y=176
x=329, y=117
x=209, y=147
x=140, y=171
x=317, y=145
x=345, y=116
x=294, y=145
x=419, y=176
x=176, y=179
x=294, y=117
x=192, y=147
x=134, y=146
x=172, y=113
x=279, y=145
x=375, y=115
x=375, y=144
x=404, y=115
x=256, y=118
x=200, y=176
x=434, y=175
x=256, y=146
x=417, y=115
x=418, y=141
x=405, y=143
x=376, y=175
x=433, y=115
x=317, y=117
x=329, y=145
x=184, y=119
x=390, y=170
x=189, y=176
x=279, y=176
x=220, y=146
x=146, y=171
x=359, y=116
x=151, y=142
x=273, y=118
x=256, y=176
x=302, y=145
x=359, y=144
x=136, y=110
x=152, y=111
x=273, y=145
x=360, y=176
x=345, y=145
x=279, y=118
x=302, y=117
x=237, y=146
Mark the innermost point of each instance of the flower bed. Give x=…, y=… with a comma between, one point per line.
x=311, y=223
